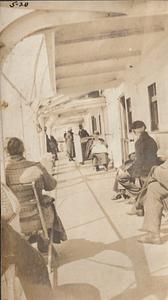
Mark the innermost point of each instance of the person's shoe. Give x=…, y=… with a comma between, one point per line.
x=125, y=196
x=140, y=212
x=42, y=244
x=116, y=197
x=149, y=239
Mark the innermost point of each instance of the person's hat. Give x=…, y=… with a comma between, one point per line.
x=138, y=124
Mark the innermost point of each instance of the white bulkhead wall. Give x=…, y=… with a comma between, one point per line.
x=29, y=75
x=152, y=69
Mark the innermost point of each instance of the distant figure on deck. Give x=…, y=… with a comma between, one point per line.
x=52, y=145
x=70, y=144
x=83, y=135
x=99, y=152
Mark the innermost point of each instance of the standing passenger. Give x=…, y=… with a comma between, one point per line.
x=52, y=145
x=83, y=134
x=70, y=144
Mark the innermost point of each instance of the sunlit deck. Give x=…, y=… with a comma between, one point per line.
x=102, y=259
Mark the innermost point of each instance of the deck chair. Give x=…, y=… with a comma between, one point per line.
x=25, y=181
x=52, y=253
x=165, y=209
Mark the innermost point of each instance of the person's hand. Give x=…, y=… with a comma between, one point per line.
x=122, y=172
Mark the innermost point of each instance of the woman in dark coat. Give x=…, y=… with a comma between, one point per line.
x=70, y=144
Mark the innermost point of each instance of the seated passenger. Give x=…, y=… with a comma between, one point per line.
x=145, y=158
x=145, y=151
x=99, y=152
x=29, y=216
x=30, y=266
x=125, y=178
x=155, y=200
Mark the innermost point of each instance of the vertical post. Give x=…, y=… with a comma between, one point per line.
x=2, y=154
x=50, y=46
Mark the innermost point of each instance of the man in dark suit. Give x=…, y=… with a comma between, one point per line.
x=145, y=150
x=52, y=145
x=145, y=158
x=83, y=135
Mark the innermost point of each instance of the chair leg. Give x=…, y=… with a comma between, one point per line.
x=10, y=278
x=52, y=259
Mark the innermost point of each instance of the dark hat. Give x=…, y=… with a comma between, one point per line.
x=138, y=124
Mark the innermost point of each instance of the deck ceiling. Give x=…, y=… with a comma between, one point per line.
x=100, y=54
x=91, y=45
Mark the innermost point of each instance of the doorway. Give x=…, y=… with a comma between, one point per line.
x=124, y=129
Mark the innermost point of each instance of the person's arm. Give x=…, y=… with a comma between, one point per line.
x=54, y=140
x=160, y=174
x=86, y=133
x=139, y=161
x=49, y=181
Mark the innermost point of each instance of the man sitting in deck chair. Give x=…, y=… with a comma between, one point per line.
x=154, y=202
x=19, y=175
x=99, y=152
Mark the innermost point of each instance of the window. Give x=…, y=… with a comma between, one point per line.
x=129, y=113
x=153, y=106
x=94, y=124
x=100, y=127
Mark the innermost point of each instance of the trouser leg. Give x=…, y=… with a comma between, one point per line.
x=125, y=181
x=153, y=207
x=115, y=185
x=97, y=168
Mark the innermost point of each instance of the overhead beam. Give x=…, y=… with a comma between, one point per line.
x=28, y=24
x=77, y=106
x=92, y=73
x=90, y=87
x=115, y=56
x=112, y=34
x=95, y=67
x=89, y=79
x=109, y=28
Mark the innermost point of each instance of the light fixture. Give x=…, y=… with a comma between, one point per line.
x=3, y=104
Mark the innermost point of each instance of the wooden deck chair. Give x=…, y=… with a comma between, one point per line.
x=30, y=177
x=51, y=250
x=52, y=253
x=165, y=208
